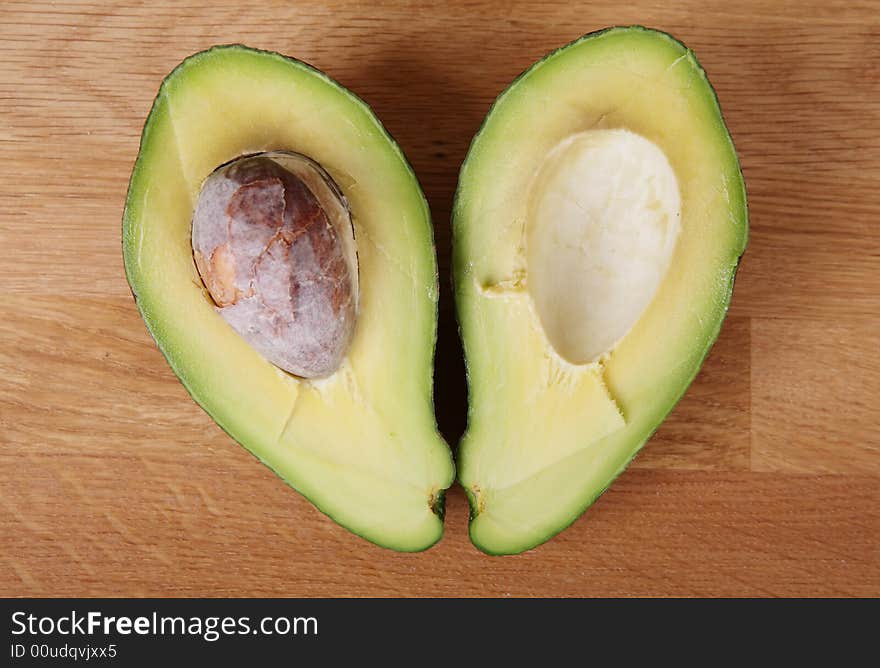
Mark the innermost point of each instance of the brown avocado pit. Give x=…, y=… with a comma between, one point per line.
x=274, y=245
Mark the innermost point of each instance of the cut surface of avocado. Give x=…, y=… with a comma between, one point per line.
x=598, y=224
x=360, y=442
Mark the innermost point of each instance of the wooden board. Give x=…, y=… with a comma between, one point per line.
x=764, y=481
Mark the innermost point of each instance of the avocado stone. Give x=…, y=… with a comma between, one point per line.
x=598, y=224
x=361, y=443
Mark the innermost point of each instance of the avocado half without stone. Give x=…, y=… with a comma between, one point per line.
x=599, y=220
x=280, y=251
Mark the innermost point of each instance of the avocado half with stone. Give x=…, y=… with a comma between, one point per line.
x=599, y=220
x=271, y=217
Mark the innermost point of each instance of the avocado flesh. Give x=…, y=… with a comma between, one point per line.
x=545, y=435
x=361, y=444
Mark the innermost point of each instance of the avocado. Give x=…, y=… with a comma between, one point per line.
x=280, y=251
x=598, y=224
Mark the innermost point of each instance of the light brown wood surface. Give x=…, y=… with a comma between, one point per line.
x=764, y=481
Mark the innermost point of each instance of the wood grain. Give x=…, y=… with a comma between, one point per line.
x=764, y=481
x=814, y=404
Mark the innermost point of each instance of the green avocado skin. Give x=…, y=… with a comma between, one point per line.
x=460, y=261
x=129, y=250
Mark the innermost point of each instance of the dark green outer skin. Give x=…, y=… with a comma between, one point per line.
x=459, y=260
x=438, y=505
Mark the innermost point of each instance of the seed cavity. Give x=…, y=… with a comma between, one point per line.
x=604, y=218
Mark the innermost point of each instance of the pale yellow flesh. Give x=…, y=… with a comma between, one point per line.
x=362, y=443
x=546, y=436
